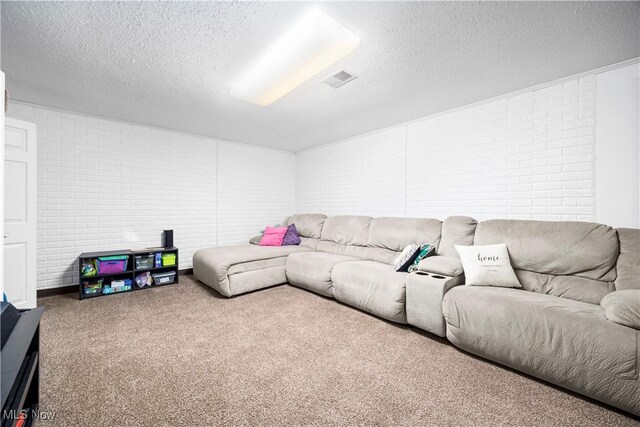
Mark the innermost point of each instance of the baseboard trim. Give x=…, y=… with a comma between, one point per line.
x=57, y=291
x=61, y=290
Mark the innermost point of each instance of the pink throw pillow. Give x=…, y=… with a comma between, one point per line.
x=273, y=236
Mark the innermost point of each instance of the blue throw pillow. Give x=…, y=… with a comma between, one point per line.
x=425, y=251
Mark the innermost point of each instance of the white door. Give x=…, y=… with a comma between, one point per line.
x=20, y=213
x=2, y=186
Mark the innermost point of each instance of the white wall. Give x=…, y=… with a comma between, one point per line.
x=256, y=188
x=105, y=184
x=565, y=151
x=529, y=155
x=364, y=176
x=617, y=147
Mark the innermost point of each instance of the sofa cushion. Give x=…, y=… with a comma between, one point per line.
x=396, y=233
x=555, y=247
x=385, y=256
x=308, y=225
x=443, y=265
x=572, y=287
x=623, y=307
x=565, y=342
x=345, y=235
x=347, y=229
x=628, y=265
x=256, y=279
x=373, y=287
x=259, y=264
x=557, y=329
x=456, y=230
x=312, y=270
x=558, y=248
x=211, y=265
x=341, y=249
x=309, y=242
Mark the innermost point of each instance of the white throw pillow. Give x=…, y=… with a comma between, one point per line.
x=487, y=266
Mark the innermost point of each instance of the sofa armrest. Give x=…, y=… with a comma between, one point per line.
x=442, y=265
x=424, y=294
x=623, y=307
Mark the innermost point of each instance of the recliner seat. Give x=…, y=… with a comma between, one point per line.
x=373, y=287
x=313, y=270
x=554, y=327
x=354, y=258
x=234, y=270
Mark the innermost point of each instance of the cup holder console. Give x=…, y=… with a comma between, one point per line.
x=424, y=273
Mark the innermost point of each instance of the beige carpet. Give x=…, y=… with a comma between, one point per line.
x=182, y=355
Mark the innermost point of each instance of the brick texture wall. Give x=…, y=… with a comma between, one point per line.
x=105, y=184
x=528, y=156
x=256, y=188
x=365, y=175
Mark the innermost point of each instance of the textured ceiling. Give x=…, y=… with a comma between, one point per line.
x=170, y=64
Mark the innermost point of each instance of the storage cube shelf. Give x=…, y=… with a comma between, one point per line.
x=159, y=262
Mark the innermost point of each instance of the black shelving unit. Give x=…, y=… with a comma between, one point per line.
x=130, y=273
x=21, y=370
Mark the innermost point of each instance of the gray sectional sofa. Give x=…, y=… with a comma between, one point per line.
x=553, y=328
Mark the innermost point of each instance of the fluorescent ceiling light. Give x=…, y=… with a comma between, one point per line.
x=311, y=45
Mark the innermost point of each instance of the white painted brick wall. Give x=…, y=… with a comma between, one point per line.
x=361, y=176
x=256, y=188
x=528, y=156
x=105, y=184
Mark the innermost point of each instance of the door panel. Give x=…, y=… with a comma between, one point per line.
x=15, y=190
x=15, y=269
x=15, y=139
x=19, y=276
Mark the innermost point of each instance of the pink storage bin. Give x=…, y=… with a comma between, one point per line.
x=111, y=266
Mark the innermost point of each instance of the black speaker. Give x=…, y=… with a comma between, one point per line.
x=168, y=238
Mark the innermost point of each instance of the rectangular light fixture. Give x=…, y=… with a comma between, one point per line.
x=314, y=43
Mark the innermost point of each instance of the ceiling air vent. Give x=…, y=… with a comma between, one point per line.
x=338, y=79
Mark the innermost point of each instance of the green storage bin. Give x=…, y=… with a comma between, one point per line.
x=168, y=259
